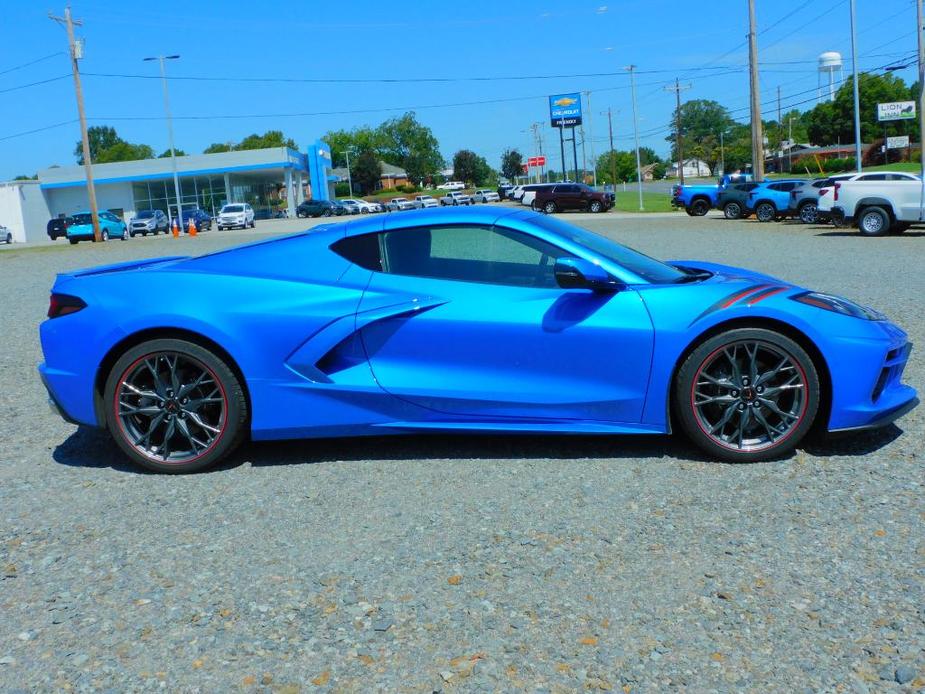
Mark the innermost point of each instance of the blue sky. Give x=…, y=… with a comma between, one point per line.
x=703, y=43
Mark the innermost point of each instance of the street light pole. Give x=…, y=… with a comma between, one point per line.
x=757, y=126
x=722, y=152
x=349, y=179
x=591, y=139
x=631, y=68
x=921, y=20
x=857, y=99
x=173, y=153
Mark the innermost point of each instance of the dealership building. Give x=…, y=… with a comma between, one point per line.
x=271, y=180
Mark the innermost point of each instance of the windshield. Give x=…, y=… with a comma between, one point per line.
x=145, y=214
x=233, y=208
x=649, y=269
x=81, y=219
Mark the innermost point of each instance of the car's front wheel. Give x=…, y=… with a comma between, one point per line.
x=808, y=214
x=595, y=206
x=549, y=207
x=732, y=210
x=765, y=212
x=173, y=406
x=746, y=395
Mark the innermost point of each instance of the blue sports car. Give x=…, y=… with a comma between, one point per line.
x=457, y=320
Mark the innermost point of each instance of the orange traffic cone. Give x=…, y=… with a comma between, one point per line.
x=176, y=229
x=192, y=228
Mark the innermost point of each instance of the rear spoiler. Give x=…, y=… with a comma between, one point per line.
x=121, y=267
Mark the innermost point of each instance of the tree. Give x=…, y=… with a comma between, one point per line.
x=100, y=137
x=357, y=139
x=23, y=177
x=466, y=166
x=124, y=151
x=367, y=170
x=623, y=162
x=702, y=120
x=271, y=138
x=166, y=153
x=512, y=163
x=406, y=143
x=217, y=147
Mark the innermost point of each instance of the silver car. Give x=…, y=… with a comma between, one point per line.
x=236, y=215
x=398, y=204
x=486, y=195
x=149, y=222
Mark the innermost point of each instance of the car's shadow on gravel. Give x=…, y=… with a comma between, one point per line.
x=854, y=232
x=94, y=448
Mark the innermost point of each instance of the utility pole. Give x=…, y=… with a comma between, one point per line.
x=921, y=19
x=584, y=153
x=349, y=178
x=677, y=88
x=780, y=132
x=173, y=154
x=613, y=157
x=75, y=50
x=631, y=68
x=790, y=148
x=857, y=98
x=591, y=140
x=722, y=151
x=757, y=130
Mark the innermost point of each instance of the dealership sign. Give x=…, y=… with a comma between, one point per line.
x=896, y=110
x=536, y=161
x=565, y=110
x=897, y=142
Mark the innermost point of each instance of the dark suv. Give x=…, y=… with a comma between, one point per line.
x=733, y=199
x=571, y=196
x=316, y=208
x=57, y=227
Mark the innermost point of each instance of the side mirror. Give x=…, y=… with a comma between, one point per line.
x=578, y=273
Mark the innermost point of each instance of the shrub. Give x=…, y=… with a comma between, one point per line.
x=342, y=189
x=408, y=188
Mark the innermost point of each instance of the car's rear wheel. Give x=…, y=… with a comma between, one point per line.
x=808, y=213
x=73, y=242
x=104, y=235
x=765, y=212
x=549, y=207
x=732, y=210
x=173, y=406
x=746, y=395
x=874, y=221
x=699, y=208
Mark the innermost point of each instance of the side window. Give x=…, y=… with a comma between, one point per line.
x=774, y=186
x=898, y=177
x=872, y=177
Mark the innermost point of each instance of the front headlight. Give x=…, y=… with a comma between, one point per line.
x=838, y=304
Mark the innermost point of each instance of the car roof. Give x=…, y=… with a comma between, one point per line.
x=482, y=215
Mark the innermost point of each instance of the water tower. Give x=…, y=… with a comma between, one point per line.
x=830, y=63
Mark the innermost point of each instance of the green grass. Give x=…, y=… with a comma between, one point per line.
x=628, y=201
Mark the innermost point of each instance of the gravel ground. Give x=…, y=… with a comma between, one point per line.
x=470, y=563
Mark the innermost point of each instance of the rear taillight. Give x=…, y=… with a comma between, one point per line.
x=63, y=304
x=837, y=186
x=824, y=191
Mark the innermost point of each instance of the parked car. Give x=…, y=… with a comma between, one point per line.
x=6, y=236
x=485, y=195
x=771, y=199
x=530, y=191
x=504, y=190
x=451, y=185
x=149, y=222
x=373, y=206
x=827, y=194
x=698, y=200
x=357, y=206
x=571, y=196
x=315, y=208
x=399, y=204
x=57, y=227
x=201, y=218
x=804, y=200
x=733, y=200
x=516, y=193
x=80, y=227
x=454, y=198
x=879, y=203
x=236, y=214
x=422, y=201
x=341, y=208
x=477, y=319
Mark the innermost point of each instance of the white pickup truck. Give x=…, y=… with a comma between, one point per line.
x=455, y=198
x=878, y=203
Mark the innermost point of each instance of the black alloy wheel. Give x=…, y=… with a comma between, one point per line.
x=748, y=394
x=174, y=406
x=732, y=210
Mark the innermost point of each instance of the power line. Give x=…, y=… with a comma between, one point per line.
x=33, y=84
x=38, y=130
x=32, y=62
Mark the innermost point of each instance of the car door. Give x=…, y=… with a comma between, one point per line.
x=472, y=323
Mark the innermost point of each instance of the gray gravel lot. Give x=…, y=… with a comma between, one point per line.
x=468, y=563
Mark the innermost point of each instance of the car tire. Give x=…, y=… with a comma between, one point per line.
x=73, y=242
x=808, y=213
x=699, y=208
x=218, y=422
x=732, y=210
x=765, y=212
x=9, y=239
x=874, y=221
x=104, y=235
x=595, y=206
x=731, y=417
x=550, y=207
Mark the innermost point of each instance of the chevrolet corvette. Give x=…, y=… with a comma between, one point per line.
x=463, y=320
